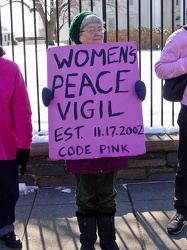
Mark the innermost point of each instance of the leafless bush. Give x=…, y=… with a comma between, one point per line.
x=145, y=38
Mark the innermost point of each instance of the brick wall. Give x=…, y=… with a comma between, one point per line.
x=160, y=158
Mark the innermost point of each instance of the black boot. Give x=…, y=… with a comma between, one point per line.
x=87, y=227
x=106, y=231
x=11, y=240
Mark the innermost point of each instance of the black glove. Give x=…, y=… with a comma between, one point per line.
x=46, y=96
x=140, y=90
x=22, y=158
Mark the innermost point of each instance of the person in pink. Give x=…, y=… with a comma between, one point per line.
x=95, y=194
x=173, y=63
x=15, y=143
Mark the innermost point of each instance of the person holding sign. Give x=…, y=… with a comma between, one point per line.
x=15, y=144
x=95, y=194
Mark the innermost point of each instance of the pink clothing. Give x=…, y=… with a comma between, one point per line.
x=15, y=111
x=173, y=59
x=97, y=166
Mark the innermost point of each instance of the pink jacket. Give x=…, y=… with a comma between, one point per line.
x=15, y=111
x=97, y=166
x=173, y=59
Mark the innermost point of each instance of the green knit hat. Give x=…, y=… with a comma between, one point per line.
x=74, y=29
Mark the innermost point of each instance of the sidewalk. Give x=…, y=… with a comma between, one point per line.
x=45, y=219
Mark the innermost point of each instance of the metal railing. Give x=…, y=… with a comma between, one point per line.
x=148, y=22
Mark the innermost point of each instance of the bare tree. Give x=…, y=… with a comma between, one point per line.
x=49, y=14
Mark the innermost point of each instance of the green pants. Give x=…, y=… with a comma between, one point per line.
x=96, y=193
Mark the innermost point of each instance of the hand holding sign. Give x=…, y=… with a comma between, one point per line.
x=46, y=96
x=140, y=90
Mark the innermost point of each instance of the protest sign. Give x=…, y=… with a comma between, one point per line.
x=95, y=111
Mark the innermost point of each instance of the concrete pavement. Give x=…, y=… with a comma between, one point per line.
x=45, y=219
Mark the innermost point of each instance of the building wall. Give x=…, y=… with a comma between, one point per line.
x=6, y=36
x=147, y=13
x=6, y=39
